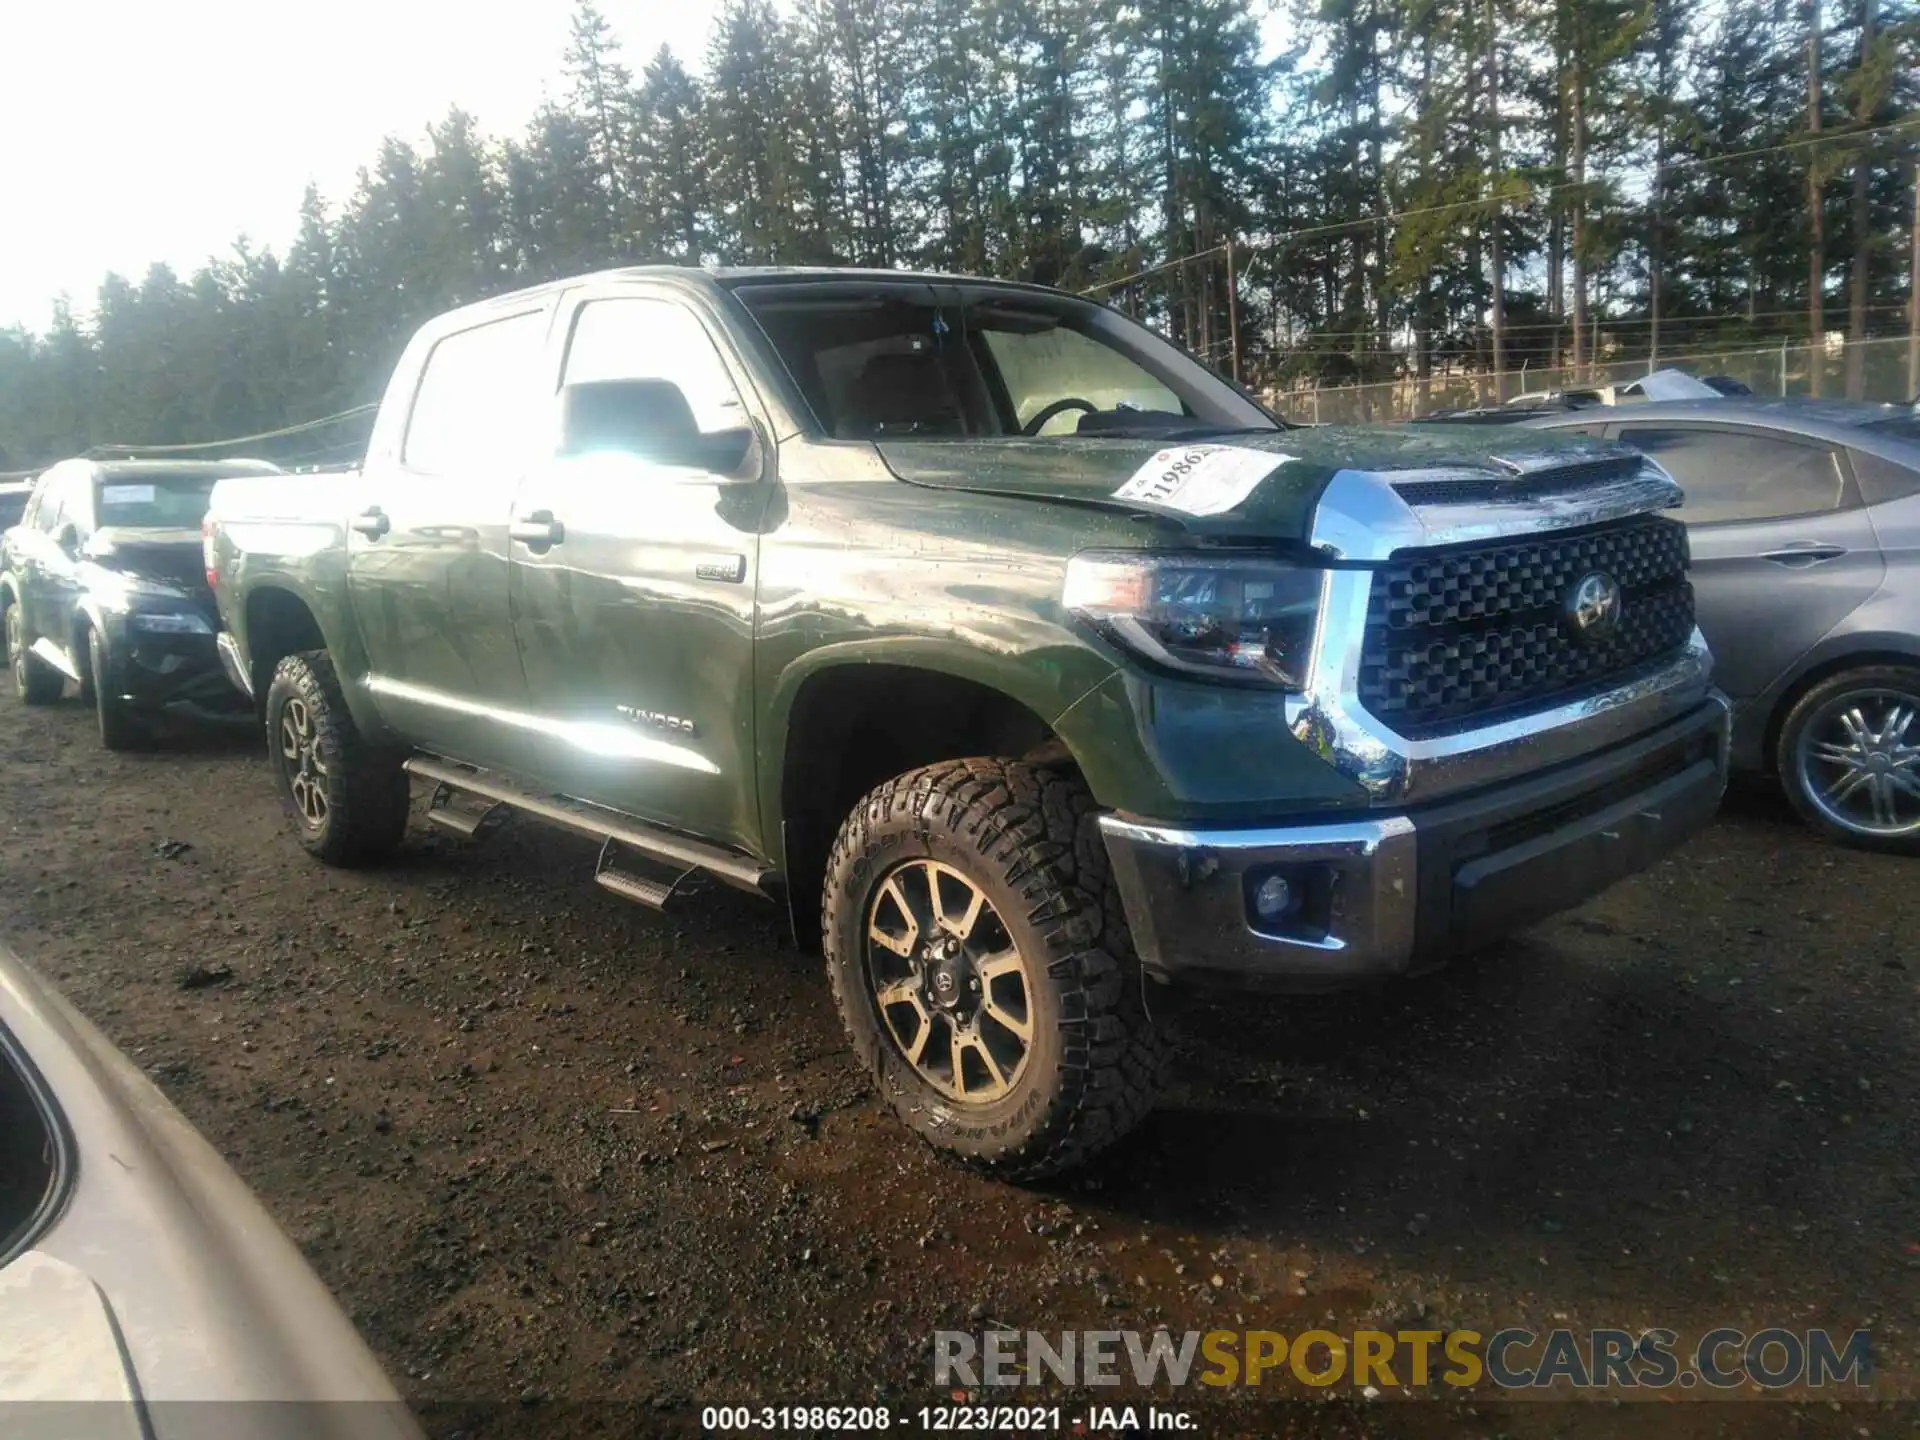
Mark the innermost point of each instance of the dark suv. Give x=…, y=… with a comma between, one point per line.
x=102, y=583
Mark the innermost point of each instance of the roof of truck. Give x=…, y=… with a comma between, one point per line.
x=727, y=277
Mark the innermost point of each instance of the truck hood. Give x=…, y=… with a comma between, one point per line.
x=1278, y=500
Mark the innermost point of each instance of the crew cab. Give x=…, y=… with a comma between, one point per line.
x=1026, y=660
x=102, y=584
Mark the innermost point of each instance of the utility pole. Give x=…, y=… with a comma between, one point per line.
x=1913, y=296
x=1499, y=267
x=1817, y=259
x=1583, y=346
x=1655, y=259
x=1233, y=313
x=1862, y=219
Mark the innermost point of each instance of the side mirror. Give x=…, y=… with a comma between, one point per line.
x=649, y=419
x=67, y=537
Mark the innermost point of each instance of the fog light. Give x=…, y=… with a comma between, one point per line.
x=1272, y=897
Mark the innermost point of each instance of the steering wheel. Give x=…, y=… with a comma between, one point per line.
x=1047, y=412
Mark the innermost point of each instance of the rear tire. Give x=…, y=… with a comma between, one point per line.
x=347, y=798
x=120, y=727
x=942, y=884
x=34, y=681
x=1849, y=758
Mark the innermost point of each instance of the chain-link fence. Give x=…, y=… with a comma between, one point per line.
x=1774, y=370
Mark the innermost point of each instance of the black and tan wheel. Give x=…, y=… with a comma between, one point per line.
x=949, y=982
x=1849, y=757
x=34, y=681
x=303, y=764
x=347, y=798
x=983, y=968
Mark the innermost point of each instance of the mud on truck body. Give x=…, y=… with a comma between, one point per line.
x=1026, y=660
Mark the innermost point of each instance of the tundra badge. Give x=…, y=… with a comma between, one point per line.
x=658, y=719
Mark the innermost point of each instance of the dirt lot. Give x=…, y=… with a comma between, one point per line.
x=550, y=1148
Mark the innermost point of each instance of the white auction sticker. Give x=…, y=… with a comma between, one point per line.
x=1201, y=479
x=126, y=494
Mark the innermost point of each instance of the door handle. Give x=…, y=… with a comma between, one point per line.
x=537, y=531
x=1798, y=557
x=371, y=522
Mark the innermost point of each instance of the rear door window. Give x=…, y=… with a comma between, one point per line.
x=1881, y=479
x=477, y=397
x=1743, y=474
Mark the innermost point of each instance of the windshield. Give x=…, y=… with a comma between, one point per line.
x=914, y=361
x=172, y=502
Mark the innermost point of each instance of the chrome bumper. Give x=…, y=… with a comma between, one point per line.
x=1386, y=894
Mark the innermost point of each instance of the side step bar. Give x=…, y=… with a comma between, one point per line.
x=463, y=822
x=646, y=889
x=687, y=858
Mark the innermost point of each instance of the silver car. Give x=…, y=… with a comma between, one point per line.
x=144, y=1292
x=1803, y=517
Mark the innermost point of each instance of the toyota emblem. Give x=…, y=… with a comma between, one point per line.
x=1592, y=607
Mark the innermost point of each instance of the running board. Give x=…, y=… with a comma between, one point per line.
x=644, y=889
x=680, y=854
x=463, y=822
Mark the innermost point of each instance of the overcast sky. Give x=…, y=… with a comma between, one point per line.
x=132, y=131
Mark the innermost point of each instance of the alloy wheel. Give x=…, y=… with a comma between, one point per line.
x=948, y=981
x=306, y=770
x=1859, y=762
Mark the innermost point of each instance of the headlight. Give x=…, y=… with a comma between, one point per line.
x=1218, y=617
x=168, y=622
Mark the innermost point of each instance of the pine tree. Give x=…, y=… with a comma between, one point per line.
x=669, y=163
x=750, y=155
x=599, y=88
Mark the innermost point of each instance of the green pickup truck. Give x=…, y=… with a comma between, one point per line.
x=1028, y=662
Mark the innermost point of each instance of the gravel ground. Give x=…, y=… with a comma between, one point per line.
x=553, y=1151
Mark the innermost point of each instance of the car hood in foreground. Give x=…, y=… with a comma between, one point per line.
x=158, y=1280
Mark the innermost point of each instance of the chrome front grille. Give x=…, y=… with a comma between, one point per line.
x=1469, y=635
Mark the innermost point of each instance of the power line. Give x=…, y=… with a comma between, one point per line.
x=345, y=449
x=1152, y=270
x=299, y=429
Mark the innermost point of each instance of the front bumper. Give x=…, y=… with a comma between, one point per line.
x=172, y=671
x=1386, y=894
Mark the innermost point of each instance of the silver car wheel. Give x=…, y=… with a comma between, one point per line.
x=1858, y=762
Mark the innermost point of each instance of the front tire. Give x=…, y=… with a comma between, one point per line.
x=120, y=727
x=1849, y=758
x=347, y=798
x=983, y=970
x=34, y=681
